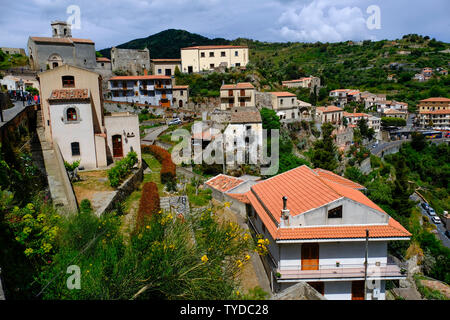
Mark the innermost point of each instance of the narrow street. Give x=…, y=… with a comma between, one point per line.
x=10, y=113
x=440, y=228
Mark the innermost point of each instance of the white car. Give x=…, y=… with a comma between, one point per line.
x=431, y=211
x=175, y=121
x=436, y=220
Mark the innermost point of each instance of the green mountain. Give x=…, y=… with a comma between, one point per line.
x=167, y=44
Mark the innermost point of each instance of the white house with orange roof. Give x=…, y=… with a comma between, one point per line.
x=206, y=58
x=343, y=96
x=241, y=94
x=317, y=224
x=355, y=117
x=286, y=106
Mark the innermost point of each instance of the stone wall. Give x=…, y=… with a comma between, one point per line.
x=124, y=190
x=263, y=100
x=132, y=61
x=299, y=291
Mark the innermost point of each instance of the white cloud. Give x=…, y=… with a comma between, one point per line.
x=321, y=20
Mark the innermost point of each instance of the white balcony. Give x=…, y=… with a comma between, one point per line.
x=347, y=271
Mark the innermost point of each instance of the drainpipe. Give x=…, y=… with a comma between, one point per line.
x=365, y=264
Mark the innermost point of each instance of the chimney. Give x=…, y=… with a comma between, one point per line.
x=284, y=214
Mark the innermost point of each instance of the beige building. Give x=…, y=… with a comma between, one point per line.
x=73, y=118
x=180, y=96
x=395, y=113
x=205, y=58
x=332, y=114
x=286, y=106
x=165, y=67
x=306, y=82
x=435, y=112
x=237, y=95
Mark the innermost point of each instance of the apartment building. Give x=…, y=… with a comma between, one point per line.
x=382, y=106
x=147, y=89
x=286, y=106
x=344, y=96
x=318, y=224
x=165, y=67
x=74, y=119
x=206, y=58
x=434, y=112
x=332, y=114
x=237, y=95
x=354, y=118
x=305, y=82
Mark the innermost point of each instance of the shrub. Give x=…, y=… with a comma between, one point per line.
x=149, y=203
x=168, y=168
x=121, y=169
x=85, y=206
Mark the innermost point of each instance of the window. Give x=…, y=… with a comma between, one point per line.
x=75, y=146
x=68, y=81
x=202, y=54
x=236, y=53
x=238, y=64
x=159, y=71
x=181, y=93
x=136, y=93
x=281, y=101
x=222, y=54
x=72, y=114
x=211, y=66
x=211, y=54
x=335, y=213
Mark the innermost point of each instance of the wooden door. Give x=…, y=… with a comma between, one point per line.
x=357, y=290
x=310, y=256
x=117, y=146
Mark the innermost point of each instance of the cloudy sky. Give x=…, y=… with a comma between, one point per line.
x=112, y=22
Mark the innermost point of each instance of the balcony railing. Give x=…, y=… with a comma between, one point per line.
x=389, y=270
x=163, y=86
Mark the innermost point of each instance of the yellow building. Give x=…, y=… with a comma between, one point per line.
x=237, y=95
x=435, y=112
x=204, y=58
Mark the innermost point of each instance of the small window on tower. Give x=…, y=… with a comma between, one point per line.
x=68, y=81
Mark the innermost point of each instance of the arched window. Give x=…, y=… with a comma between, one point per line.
x=72, y=114
x=75, y=146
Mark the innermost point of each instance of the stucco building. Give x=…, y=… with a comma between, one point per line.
x=74, y=120
x=165, y=67
x=286, y=106
x=310, y=82
x=180, y=96
x=317, y=224
x=332, y=114
x=50, y=52
x=237, y=95
x=206, y=58
x=435, y=112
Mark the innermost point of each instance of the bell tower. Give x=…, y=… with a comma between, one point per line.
x=61, y=29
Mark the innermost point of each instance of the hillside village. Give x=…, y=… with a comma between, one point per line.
x=268, y=170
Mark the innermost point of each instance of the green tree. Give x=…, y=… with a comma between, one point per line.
x=324, y=150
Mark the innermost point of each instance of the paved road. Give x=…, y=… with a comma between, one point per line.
x=153, y=134
x=10, y=113
x=384, y=145
x=439, y=227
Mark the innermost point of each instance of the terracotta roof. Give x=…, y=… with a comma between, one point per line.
x=69, y=94
x=436, y=99
x=393, y=111
x=61, y=40
x=245, y=115
x=180, y=87
x=329, y=109
x=435, y=111
x=308, y=189
x=213, y=47
x=328, y=175
x=356, y=114
x=147, y=77
x=297, y=80
x=240, y=85
x=223, y=183
x=103, y=59
x=242, y=197
x=283, y=94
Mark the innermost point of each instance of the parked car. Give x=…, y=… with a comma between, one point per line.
x=424, y=206
x=447, y=233
x=436, y=220
x=175, y=121
x=431, y=211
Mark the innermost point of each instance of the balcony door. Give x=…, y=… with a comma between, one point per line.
x=310, y=256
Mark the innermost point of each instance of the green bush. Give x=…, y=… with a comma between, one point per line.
x=121, y=169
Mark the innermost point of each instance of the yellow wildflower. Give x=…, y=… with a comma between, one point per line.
x=247, y=257
x=204, y=259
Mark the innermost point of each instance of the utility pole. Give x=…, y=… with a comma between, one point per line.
x=366, y=263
